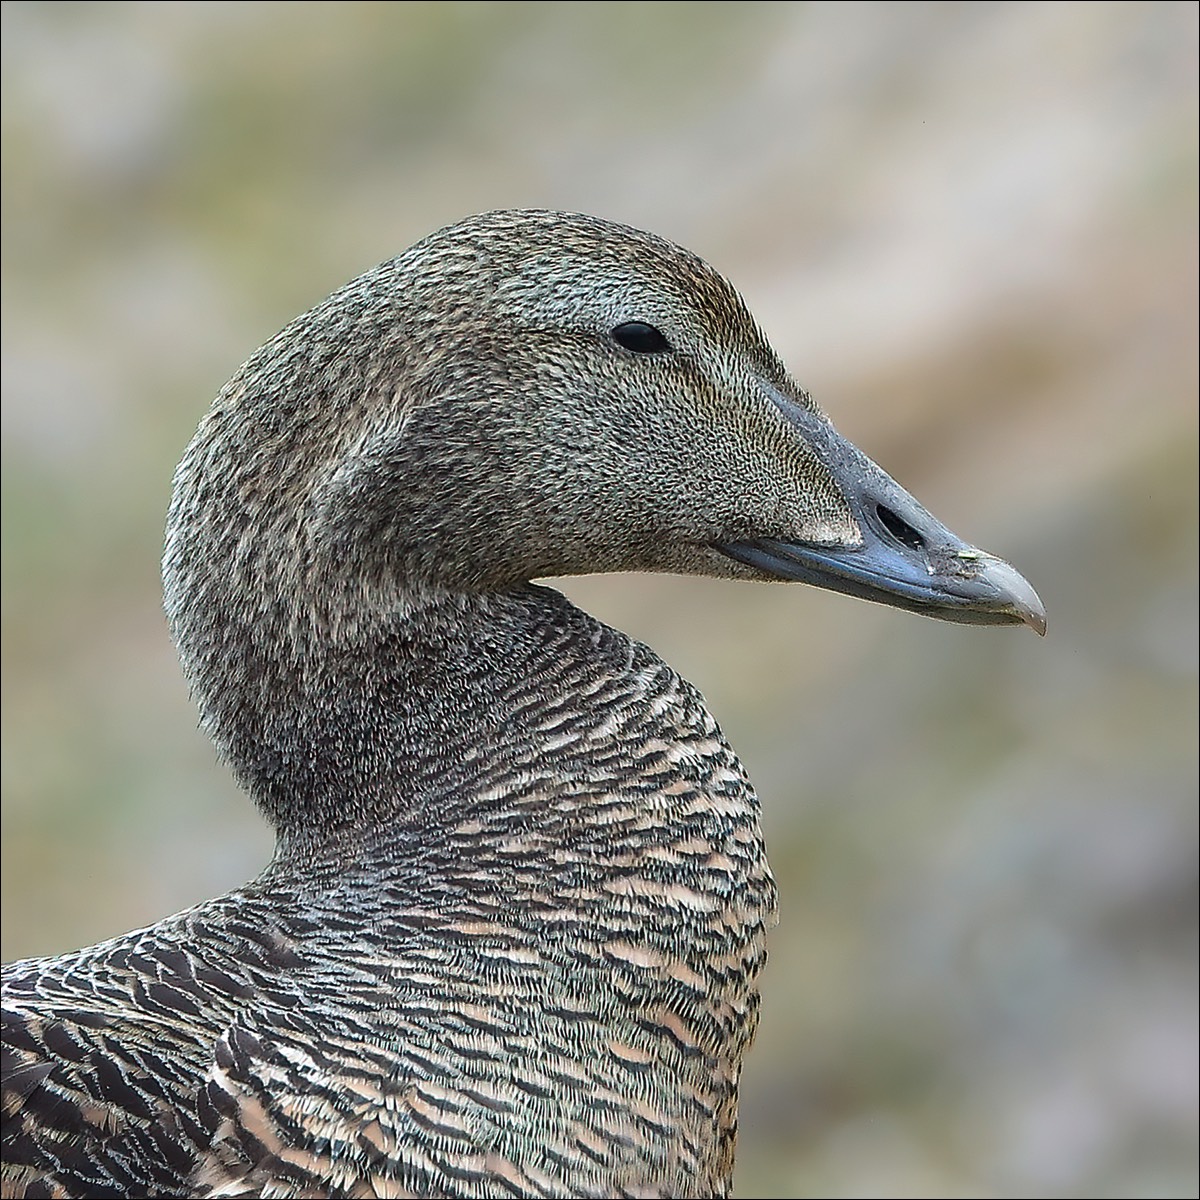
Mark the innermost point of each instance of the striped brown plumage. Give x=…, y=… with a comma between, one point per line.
x=585, y=933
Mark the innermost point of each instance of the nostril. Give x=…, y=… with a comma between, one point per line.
x=899, y=528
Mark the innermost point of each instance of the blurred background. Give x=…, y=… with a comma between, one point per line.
x=970, y=229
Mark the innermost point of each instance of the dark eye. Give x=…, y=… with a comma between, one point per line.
x=640, y=338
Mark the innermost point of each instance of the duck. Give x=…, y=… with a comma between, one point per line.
x=510, y=939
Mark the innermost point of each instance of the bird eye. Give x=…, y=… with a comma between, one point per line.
x=640, y=338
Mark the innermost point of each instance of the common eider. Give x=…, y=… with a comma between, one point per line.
x=510, y=939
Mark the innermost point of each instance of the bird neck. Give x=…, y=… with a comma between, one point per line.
x=493, y=713
x=510, y=753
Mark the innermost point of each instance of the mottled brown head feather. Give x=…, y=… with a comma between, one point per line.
x=460, y=420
